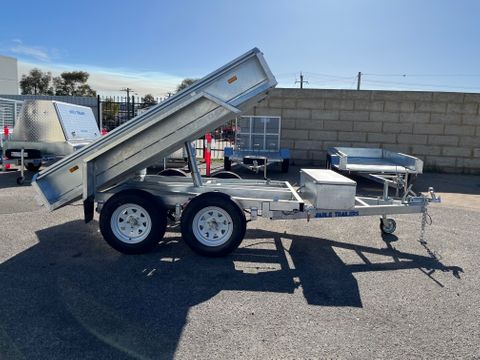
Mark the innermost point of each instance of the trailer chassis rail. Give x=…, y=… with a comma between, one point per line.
x=365, y=206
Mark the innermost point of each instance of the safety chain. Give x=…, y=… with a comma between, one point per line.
x=424, y=224
x=426, y=220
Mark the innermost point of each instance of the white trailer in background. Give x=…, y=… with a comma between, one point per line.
x=134, y=208
x=48, y=130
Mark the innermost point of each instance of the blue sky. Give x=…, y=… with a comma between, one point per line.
x=152, y=45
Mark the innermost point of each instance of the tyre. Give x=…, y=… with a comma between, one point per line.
x=227, y=163
x=213, y=225
x=388, y=226
x=33, y=167
x=226, y=175
x=285, y=165
x=172, y=172
x=133, y=222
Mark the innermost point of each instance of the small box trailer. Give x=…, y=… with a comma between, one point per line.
x=381, y=165
x=257, y=144
x=134, y=207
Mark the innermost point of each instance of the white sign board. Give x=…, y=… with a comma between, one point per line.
x=78, y=122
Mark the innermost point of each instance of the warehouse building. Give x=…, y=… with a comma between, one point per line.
x=8, y=75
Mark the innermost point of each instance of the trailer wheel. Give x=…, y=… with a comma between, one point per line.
x=285, y=165
x=172, y=172
x=226, y=175
x=32, y=167
x=388, y=226
x=227, y=163
x=213, y=225
x=133, y=222
x=21, y=180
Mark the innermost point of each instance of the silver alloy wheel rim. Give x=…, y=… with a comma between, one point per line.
x=131, y=223
x=212, y=226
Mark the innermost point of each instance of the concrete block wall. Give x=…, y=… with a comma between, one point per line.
x=441, y=128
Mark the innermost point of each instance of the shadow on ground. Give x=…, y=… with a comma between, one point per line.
x=8, y=178
x=72, y=296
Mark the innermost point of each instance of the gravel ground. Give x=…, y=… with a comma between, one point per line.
x=324, y=289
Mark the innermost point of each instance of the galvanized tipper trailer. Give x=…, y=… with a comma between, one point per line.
x=134, y=208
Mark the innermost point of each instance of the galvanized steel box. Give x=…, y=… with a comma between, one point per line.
x=326, y=189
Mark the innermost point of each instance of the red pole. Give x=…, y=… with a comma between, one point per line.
x=6, y=132
x=208, y=158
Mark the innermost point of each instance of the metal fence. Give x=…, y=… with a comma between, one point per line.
x=117, y=110
x=217, y=147
x=9, y=110
x=113, y=111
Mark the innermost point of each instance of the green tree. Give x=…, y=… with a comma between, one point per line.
x=185, y=83
x=73, y=83
x=148, y=100
x=36, y=82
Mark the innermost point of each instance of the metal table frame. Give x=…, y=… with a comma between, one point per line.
x=381, y=165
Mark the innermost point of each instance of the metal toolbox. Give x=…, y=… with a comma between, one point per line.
x=326, y=189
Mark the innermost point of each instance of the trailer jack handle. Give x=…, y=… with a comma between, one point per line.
x=427, y=219
x=433, y=197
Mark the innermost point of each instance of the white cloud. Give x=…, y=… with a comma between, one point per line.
x=104, y=81
x=111, y=81
x=36, y=52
